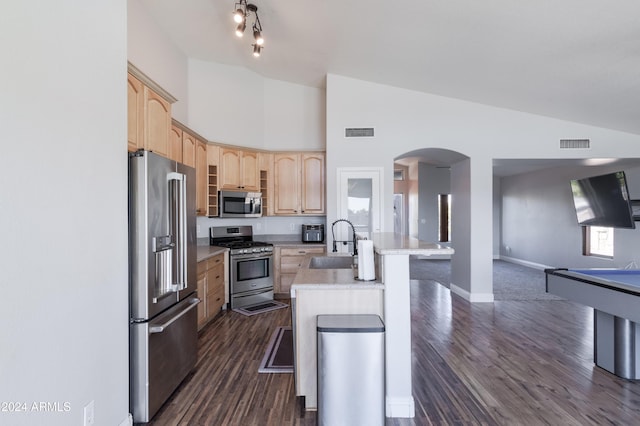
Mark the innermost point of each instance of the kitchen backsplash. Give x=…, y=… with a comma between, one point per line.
x=262, y=225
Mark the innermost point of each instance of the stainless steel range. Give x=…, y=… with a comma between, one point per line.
x=250, y=265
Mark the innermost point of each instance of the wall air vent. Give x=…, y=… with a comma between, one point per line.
x=358, y=132
x=575, y=144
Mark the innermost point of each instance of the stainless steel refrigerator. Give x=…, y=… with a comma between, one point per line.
x=162, y=280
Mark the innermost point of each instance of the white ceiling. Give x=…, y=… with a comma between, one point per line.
x=569, y=59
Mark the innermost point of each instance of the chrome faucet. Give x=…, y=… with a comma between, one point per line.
x=353, y=241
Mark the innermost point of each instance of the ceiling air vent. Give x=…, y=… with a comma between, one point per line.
x=358, y=132
x=575, y=143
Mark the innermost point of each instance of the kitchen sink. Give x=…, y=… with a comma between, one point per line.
x=331, y=262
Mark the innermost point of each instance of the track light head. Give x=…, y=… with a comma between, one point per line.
x=239, y=16
x=257, y=35
x=257, y=50
x=240, y=28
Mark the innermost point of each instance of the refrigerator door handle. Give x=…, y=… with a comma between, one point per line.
x=178, y=183
x=159, y=328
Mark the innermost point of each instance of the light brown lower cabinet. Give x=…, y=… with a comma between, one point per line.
x=211, y=285
x=287, y=262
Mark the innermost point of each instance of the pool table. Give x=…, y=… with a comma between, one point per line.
x=614, y=295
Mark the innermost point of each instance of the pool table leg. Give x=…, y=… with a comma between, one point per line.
x=617, y=345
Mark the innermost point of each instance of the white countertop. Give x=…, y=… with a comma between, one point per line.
x=205, y=252
x=323, y=278
x=390, y=243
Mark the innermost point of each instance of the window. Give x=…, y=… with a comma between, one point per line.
x=444, y=217
x=597, y=241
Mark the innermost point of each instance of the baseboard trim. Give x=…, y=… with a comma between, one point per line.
x=522, y=262
x=400, y=407
x=471, y=297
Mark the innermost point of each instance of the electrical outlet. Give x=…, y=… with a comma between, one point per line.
x=292, y=226
x=197, y=230
x=89, y=418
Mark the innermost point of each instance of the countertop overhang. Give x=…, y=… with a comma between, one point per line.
x=385, y=243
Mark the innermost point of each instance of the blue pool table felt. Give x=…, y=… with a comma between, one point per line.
x=624, y=276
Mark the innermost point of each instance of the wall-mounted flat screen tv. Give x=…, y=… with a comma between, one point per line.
x=603, y=201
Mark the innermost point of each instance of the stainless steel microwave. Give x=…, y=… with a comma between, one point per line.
x=240, y=204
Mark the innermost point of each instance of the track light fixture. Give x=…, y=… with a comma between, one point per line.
x=241, y=13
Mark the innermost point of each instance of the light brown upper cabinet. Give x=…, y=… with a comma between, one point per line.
x=299, y=187
x=239, y=170
x=202, y=172
x=188, y=149
x=175, y=143
x=182, y=144
x=157, y=122
x=135, y=113
x=149, y=116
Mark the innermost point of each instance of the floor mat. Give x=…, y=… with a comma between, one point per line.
x=279, y=355
x=260, y=308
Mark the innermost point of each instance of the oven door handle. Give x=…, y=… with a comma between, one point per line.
x=250, y=256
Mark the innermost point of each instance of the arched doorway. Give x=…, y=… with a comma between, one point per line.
x=422, y=193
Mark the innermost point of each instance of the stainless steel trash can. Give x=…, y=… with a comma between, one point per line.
x=350, y=370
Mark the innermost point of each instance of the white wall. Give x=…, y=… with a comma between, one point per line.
x=405, y=121
x=151, y=51
x=294, y=116
x=233, y=105
x=226, y=103
x=63, y=211
x=539, y=222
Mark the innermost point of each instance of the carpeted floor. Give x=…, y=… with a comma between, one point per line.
x=510, y=281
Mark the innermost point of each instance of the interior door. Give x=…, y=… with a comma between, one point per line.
x=360, y=201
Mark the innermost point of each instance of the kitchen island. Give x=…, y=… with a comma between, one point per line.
x=318, y=292
x=335, y=291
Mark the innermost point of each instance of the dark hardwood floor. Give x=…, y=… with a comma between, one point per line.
x=505, y=363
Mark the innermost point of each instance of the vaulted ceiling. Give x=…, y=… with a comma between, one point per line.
x=573, y=60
